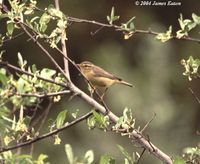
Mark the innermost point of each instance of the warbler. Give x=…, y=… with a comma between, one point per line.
x=98, y=77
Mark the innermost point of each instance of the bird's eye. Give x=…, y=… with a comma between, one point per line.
x=86, y=65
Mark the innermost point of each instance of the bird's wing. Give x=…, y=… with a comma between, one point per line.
x=100, y=72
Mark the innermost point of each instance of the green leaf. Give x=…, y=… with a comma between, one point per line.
x=190, y=60
x=69, y=153
x=196, y=18
x=34, y=68
x=57, y=140
x=112, y=16
x=10, y=28
x=163, y=37
x=98, y=117
x=3, y=78
x=41, y=159
x=47, y=73
x=54, y=12
x=186, y=24
x=125, y=153
x=44, y=20
x=61, y=118
x=74, y=114
x=129, y=25
x=106, y=159
x=179, y=160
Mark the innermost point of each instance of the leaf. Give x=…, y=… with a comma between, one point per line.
x=22, y=63
x=69, y=153
x=106, y=159
x=7, y=140
x=74, y=114
x=61, y=118
x=43, y=22
x=163, y=37
x=112, y=16
x=125, y=153
x=20, y=59
x=126, y=161
x=196, y=18
x=180, y=34
x=98, y=117
x=89, y=156
x=21, y=114
x=3, y=78
x=186, y=24
x=57, y=140
x=41, y=158
x=54, y=12
x=10, y=28
x=179, y=160
x=47, y=73
x=129, y=25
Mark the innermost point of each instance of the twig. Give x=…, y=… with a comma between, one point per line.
x=13, y=37
x=43, y=117
x=75, y=65
x=141, y=156
x=135, y=31
x=195, y=96
x=6, y=64
x=42, y=95
x=137, y=136
x=43, y=49
x=63, y=45
x=38, y=138
x=147, y=124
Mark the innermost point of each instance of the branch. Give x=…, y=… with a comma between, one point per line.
x=43, y=49
x=13, y=37
x=38, y=138
x=135, y=31
x=63, y=45
x=76, y=91
x=195, y=96
x=138, y=137
x=6, y=64
x=43, y=95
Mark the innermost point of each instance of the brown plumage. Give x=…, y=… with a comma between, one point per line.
x=98, y=77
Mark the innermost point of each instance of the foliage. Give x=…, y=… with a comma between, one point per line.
x=191, y=66
x=23, y=91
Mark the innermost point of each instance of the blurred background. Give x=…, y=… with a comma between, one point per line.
x=153, y=67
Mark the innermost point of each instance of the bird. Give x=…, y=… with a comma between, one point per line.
x=98, y=77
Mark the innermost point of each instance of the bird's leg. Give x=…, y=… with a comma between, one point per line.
x=103, y=94
x=92, y=92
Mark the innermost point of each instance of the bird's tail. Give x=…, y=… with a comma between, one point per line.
x=125, y=83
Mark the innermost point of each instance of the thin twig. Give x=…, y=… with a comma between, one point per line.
x=38, y=138
x=147, y=124
x=75, y=65
x=63, y=45
x=195, y=96
x=13, y=37
x=6, y=64
x=43, y=116
x=43, y=95
x=136, y=31
x=140, y=139
x=43, y=49
x=141, y=155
